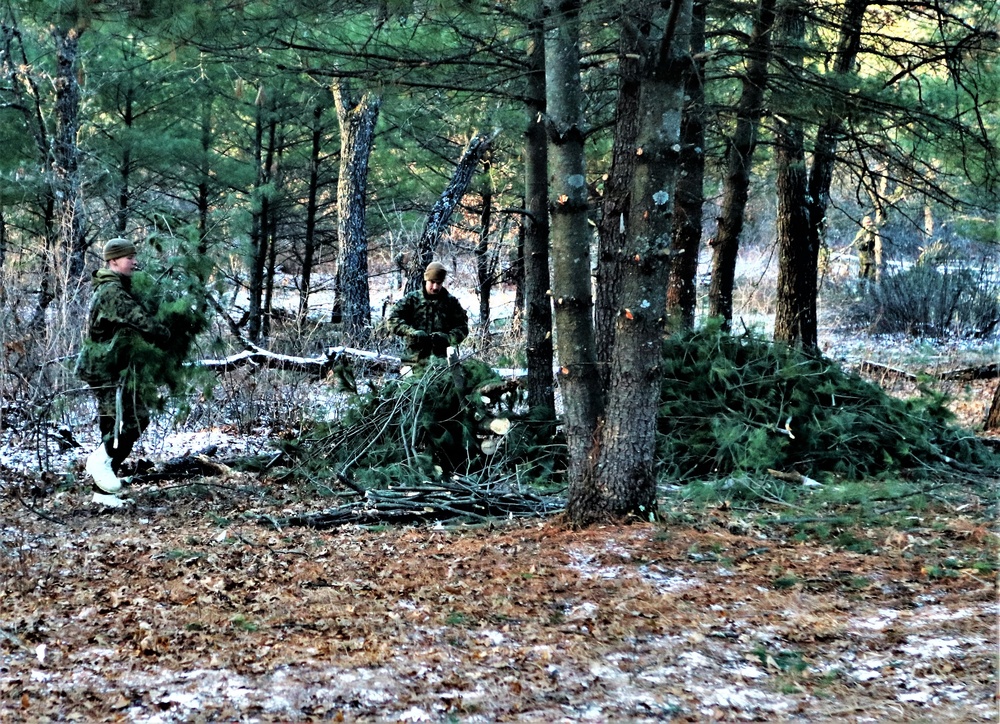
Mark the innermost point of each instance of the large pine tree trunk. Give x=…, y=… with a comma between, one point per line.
x=739, y=162
x=358, y=116
x=537, y=300
x=272, y=243
x=615, y=203
x=682, y=292
x=621, y=477
x=570, y=235
x=795, y=314
x=440, y=215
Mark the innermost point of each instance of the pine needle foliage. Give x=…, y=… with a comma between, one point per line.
x=733, y=404
x=428, y=426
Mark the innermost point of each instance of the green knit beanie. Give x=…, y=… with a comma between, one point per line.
x=117, y=248
x=435, y=272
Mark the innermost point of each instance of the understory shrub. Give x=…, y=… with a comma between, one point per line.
x=733, y=404
x=929, y=301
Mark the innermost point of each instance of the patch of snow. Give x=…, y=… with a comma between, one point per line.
x=943, y=613
x=585, y=611
x=694, y=659
x=666, y=583
x=883, y=617
x=584, y=565
x=932, y=648
x=608, y=673
x=917, y=697
x=864, y=674
x=663, y=581
x=659, y=676
x=414, y=714
x=743, y=699
x=955, y=692
x=494, y=637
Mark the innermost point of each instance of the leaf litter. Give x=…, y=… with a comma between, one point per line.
x=183, y=609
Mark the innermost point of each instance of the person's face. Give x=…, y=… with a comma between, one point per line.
x=433, y=287
x=124, y=265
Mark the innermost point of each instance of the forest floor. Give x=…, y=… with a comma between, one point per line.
x=184, y=607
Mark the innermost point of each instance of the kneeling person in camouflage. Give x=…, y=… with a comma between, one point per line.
x=430, y=319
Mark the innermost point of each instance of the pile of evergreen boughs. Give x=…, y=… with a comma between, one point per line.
x=733, y=404
x=729, y=405
x=439, y=421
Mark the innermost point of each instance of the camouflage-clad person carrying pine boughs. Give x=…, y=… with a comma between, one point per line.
x=430, y=319
x=117, y=322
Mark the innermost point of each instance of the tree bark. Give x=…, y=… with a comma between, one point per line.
x=682, y=291
x=358, y=116
x=309, y=245
x=3, y=246
x=739, y=162
x=621, y=477
x=825, y=148
x=204, y=172
x=993, y=418
x=66, y=152
x=125, y=169
x=570, y=233
x=272, y=239
x=616, y=201
x=535, y=257
x=440, y=215
x=261, y=220
x=795, y=315
x=484, y=267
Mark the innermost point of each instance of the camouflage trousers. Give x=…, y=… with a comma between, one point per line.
x=122, y=419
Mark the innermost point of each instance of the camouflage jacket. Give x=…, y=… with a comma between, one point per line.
x=116, y=319
x=422, y=312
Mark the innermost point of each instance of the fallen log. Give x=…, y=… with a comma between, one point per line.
x=869, y=367
x=983, y=372
x=319, y=366
x=966, y=374
x=197, y=464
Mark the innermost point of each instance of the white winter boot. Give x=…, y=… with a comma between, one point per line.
x=99, y=467
x=109, y=501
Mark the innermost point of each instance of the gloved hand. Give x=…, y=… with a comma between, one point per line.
x=420, y=341
x=439, y=344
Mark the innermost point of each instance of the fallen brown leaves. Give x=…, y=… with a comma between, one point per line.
x=175, y=613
